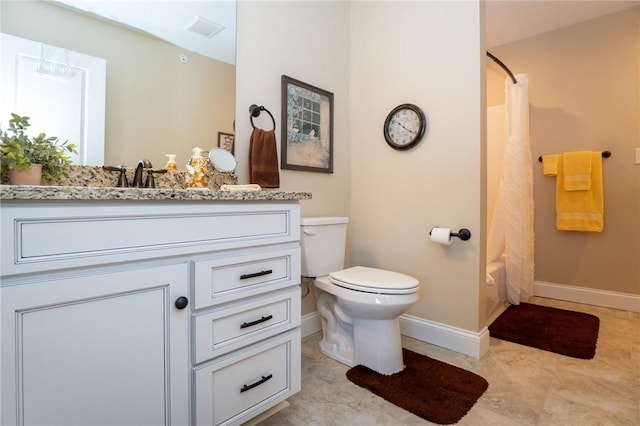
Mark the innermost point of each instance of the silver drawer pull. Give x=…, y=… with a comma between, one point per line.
x=256, y=274
x=258, y=383
x=252, y=323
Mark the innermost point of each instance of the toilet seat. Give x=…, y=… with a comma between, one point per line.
x=372, y=280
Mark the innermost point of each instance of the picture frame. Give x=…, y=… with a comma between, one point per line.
x=226, y=141
x=307, y=127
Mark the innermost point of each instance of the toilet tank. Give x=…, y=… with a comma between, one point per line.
x=322, y=241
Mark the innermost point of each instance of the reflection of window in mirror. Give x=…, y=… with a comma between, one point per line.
x=63, y=92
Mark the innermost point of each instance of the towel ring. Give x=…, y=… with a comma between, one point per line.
x=255, y=112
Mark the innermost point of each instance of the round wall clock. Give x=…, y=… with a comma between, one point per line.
x=405, y=126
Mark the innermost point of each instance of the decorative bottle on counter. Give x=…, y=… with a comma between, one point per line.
x=171, y=165
x=197, y=167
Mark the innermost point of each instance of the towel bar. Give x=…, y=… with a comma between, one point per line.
x=254, y=110
x=605, y=154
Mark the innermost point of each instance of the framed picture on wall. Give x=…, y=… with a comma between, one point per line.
x=307, y=127
x=225, y=141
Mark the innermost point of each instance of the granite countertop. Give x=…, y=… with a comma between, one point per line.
x=51, y=192
x=97, y=183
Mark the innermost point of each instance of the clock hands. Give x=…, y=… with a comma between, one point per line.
x=406, y=128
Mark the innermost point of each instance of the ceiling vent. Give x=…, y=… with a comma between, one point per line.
x=204, y=27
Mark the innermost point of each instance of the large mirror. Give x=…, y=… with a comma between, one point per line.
x=160, y=98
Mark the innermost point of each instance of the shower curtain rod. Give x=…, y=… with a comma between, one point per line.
x=503, y=66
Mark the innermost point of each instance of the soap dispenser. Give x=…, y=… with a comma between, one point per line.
x=197, y=167
x=171, y=165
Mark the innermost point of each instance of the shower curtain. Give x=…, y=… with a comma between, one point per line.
x=511, y=229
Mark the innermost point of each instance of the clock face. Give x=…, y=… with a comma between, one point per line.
x=405, y=126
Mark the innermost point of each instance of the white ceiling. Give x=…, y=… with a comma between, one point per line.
x=168, y=20
x=511, y=20
x=506, y=20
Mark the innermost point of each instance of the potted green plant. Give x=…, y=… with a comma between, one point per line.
x=20, y=153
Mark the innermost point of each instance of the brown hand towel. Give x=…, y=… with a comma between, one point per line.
x=263, y=159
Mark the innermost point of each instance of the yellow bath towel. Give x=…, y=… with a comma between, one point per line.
x=550, y=164
x=581, y=210
x=577, y=170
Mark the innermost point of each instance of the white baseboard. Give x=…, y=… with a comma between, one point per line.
x=589, y=296
x=456, y=339
x=477, y=344
x=446, y=336
x=310, y=324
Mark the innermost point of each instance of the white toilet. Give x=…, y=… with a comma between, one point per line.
x=359, y=307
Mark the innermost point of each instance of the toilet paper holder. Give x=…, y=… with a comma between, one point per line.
x=464, y=234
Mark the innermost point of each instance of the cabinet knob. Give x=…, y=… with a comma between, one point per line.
x=182, y=302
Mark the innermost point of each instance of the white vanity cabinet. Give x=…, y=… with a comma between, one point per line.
x=106, y=348
x=148, y=312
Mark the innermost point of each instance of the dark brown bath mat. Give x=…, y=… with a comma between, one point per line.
x=569, y=333
x=431, y=389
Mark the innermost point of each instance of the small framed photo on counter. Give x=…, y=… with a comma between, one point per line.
x=225, y=141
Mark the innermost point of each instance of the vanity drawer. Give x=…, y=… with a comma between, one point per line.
x=232, y=390
x=228, y=329
x=42, y=237
x=226, y=279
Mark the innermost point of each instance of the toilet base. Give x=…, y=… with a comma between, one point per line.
x=367, y=348
x=344, y=356
x=378, y=345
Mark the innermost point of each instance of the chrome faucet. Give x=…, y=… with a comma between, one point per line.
x=137, y=178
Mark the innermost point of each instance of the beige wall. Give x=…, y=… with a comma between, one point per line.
x=399, y=55
x=274, y=39
x=309, y=42
x=584, y=95
x=392, y=198
x=156, y=105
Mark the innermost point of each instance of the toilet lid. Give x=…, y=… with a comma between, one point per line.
x=372, y=280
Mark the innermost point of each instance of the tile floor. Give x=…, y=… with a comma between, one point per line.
x=526, y=386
